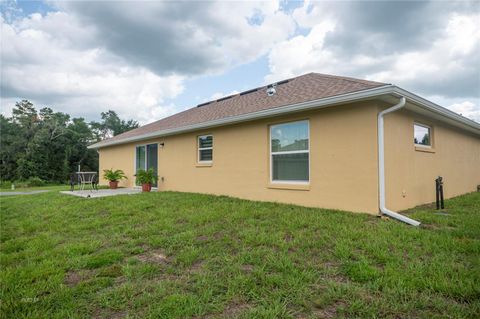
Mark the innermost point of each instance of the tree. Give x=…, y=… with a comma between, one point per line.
x=50, y=145
x=111, y=125
x=11, y=144
x=25, y=115
x=44, y=156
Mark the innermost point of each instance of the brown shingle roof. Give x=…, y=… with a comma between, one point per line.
x=308, y=87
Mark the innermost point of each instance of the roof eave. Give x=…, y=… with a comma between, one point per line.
x=440, y=110
x=304, y=106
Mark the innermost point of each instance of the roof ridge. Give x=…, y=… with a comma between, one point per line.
x=347, y=78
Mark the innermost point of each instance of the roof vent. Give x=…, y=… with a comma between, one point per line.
x=202, y=104
x=249, y=91
x=225, y=98
x=272, y=89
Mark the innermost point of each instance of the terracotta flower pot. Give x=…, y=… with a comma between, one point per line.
x=146, y=187
x=113, y=184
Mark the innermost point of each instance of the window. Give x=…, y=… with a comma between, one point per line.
x=289, y=146
x=205, y=148
x=422, y=135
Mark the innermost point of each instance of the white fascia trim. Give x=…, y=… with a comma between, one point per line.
x=304, y=106
x=320, y=103
x=428, y=105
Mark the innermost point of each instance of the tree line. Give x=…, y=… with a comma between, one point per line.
x=50, y=145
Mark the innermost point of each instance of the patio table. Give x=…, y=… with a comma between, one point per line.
x=85, y=178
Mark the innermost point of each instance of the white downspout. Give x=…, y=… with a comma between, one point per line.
x=381, y=166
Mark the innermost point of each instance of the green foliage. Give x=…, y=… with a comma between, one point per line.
x=5, y=184
x=50, y=145
x=181, y=255
x=146, y=176
x=113, y=175
x=34, y=182
x=111, y=125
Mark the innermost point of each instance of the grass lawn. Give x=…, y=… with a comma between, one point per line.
x=178, y=255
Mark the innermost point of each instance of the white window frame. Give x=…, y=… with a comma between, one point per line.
x=294, y=182
x=199, y=149
x=430, y=131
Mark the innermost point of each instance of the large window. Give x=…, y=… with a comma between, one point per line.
x=205, y=149
x=422, y=135
x=289, y=145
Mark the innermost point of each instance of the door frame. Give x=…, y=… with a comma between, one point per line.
x=146, y=159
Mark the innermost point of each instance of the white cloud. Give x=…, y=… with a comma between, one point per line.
x=48, y=61
x=185, y=37
x=467, y=109
x=301, y=54
x=94, y=56
x=447, y=64
x=219, y=95
x=448, y=60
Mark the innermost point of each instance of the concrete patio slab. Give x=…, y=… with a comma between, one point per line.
x=103, y=192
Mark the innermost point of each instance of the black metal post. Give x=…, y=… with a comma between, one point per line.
x=441, y=193
x=437, y=191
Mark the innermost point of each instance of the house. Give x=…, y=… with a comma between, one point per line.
x=314, y=140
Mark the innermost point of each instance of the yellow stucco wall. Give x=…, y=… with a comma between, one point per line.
x=343, y=161
x=410, y=173
x=343, y=165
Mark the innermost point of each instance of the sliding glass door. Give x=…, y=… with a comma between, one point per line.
x=147, y=157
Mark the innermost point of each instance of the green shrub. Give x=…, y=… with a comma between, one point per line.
x=34, y=181
x=146, y=176
x=113, y=176
x=5, y=184
x=31, y=182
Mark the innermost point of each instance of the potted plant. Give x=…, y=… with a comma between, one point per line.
x=113, y=177
x=146, y=178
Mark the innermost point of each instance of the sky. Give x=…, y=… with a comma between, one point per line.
x=149, y=60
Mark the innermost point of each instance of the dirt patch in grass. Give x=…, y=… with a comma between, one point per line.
x=218, y=235
x=331, y=264
x=235, y=309
x=232, y=310
x=288, y=237
x=202, y=238
x=73, y=278
x=247, y=268
x=196, y=267
x=153, y=256
x=109, y=314
x=104, y=213
x=292, y=250
x=330, y=311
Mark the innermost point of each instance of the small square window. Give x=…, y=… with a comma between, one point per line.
x=205, y=148
x=422, y=135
